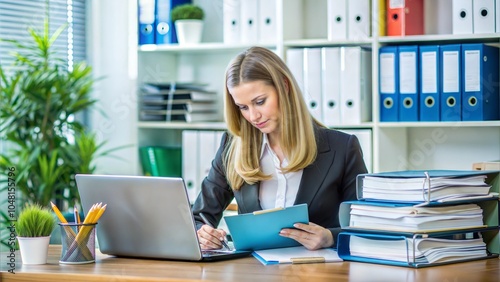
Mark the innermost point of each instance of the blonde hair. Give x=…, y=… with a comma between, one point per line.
x=298, y=142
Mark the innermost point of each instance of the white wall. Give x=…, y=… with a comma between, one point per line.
x=112, y=53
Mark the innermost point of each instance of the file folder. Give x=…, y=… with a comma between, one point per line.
x=164, y=27
x=358, y=19
x=405, y=17
x=249, y=10
x=330, y=85
x=231, y=21
x=462, y=17
x=312, y=81
x=483, y=16
x=260, y=230
x=429, y=83
x=337, y=19
x=388, y=83
x=267, y=21
x=190, y=165
x=355, y=86
x=480, y=100
x=295, y=61
x=451, y=83
x=146, y=20
x=408, y=83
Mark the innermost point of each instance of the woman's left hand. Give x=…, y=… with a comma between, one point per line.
x=311, y=235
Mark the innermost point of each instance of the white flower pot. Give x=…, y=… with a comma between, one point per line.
x=34, y=250
x=189, y=31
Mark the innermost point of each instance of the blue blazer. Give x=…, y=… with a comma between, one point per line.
x=328, y=181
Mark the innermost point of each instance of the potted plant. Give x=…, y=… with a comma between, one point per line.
x=188, y=21
x=34, y=226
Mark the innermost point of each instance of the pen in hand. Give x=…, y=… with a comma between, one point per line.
x=223, y=241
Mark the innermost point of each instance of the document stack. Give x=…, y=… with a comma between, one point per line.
x=188, y=102
x=421, y=218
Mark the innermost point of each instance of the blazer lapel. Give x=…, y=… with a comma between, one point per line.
x=314, y=174
x=249, y=198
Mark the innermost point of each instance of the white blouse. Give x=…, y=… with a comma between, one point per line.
x=281, y=189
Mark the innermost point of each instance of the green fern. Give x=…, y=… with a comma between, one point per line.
x=35, y=221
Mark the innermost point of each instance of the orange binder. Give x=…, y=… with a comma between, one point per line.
x=405, y=17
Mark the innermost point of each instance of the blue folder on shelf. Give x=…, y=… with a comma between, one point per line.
x=146, y=20
x=389, y=83
x=480, y=99
x=430, y=85
x=260, y=230
x=408, y=83
x=451, y=82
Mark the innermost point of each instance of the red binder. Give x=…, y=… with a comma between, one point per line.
x=405, y=17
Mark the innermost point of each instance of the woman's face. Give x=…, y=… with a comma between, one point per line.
x=258, y=103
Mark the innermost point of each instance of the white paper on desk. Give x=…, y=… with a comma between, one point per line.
x=284, y=255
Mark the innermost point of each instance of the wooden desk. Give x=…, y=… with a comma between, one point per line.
x=109, y=268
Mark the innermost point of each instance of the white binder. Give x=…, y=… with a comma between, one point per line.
x=267, y=21
x=365, y=140
x=312, y=81
x=295, y=62
x=483, y=16
x=190, y=163
x=355, y=87
x=330, y=85
x=358, y=22
x=231, y=21
x=337, y=19
x=462, y=17
x=206, y=153
x=249, y=10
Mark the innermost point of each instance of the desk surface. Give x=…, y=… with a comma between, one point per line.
x=108, y=268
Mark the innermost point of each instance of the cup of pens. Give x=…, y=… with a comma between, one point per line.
x=78, y=243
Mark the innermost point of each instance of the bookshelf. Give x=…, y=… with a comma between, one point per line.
x=395, y=145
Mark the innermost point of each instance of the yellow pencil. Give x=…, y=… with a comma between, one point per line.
x=58, y=213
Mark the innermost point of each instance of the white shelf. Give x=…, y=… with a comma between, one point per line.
x=325, y=42
x=445, y=38
x=182, y=125
x=216, y=47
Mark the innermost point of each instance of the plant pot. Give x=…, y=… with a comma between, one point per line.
x=189, y=31
x=34, y=250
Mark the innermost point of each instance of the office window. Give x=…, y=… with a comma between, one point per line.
x=17, y=15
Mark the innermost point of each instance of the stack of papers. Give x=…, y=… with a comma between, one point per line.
x=421, y=189
x=415, y=219
x=424, y=250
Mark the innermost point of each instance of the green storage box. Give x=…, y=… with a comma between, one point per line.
x=161, y=161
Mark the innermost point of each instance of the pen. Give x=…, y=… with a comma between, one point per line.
x=208, y=223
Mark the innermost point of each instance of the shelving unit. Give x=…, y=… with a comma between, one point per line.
x=395, y=145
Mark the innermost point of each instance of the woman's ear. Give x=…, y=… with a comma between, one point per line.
x=286, y=82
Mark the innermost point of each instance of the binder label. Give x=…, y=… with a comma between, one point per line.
x=387, y=82
x=450, y=72
x=408, y=72
x=472, y=75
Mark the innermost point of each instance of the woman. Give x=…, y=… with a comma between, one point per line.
x=276, y=154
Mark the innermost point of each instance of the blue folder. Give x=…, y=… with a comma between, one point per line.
x=480, y=99
x=408, y=83
x=146, y=20
x=389, y=83
x=430, y=84
x=451, y=82
x=164, y=27
x=260, y=230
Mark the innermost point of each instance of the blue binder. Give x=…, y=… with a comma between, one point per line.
x=430, y=84
x=408, y=83
x=146, y=20
x=480, y=99
x=164, y=27
x=451, y=82
x=389, y=83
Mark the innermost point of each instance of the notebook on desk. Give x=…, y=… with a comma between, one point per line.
x=147, y=217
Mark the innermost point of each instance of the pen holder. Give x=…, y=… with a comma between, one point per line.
x=78, y=243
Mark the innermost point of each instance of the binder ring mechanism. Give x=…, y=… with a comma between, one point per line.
x=426, y=195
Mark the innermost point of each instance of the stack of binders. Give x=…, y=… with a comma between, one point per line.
x=421, y=218
x=186, y=102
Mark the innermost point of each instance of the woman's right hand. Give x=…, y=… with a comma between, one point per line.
x=210, y=238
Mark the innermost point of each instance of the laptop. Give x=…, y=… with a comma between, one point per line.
x=147, y=217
